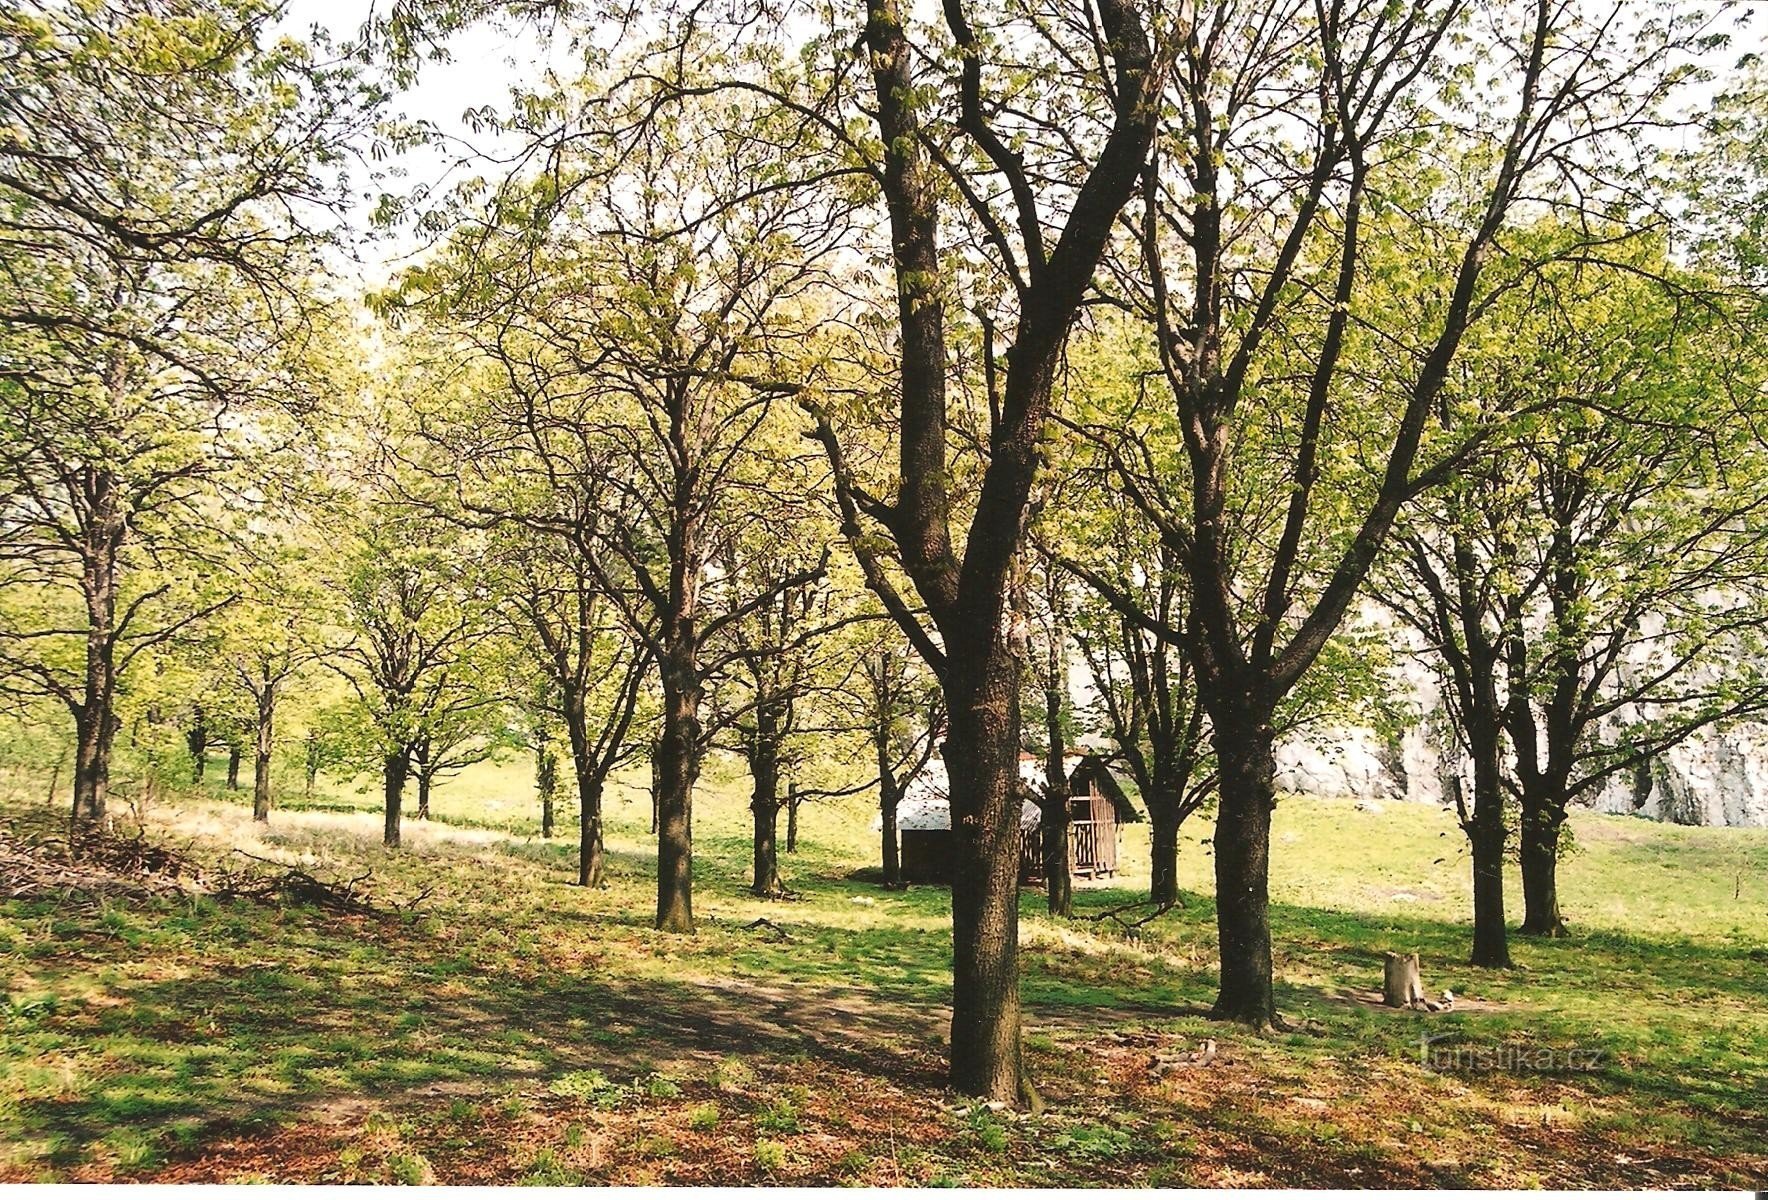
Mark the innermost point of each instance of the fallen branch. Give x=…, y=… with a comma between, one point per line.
x=100, y=864
x=761, y=923
x=1130, y=926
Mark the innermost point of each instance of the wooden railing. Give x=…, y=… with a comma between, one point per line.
x=1092, y=850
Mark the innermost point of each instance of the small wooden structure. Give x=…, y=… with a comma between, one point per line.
x=1097, y=807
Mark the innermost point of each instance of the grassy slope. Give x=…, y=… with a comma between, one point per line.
x=519, y=1029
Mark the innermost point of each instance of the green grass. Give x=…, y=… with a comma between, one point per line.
x=140, y=1041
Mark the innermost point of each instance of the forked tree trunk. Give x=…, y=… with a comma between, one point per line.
x=262, y=747
x=1242, y=870
x=424, y=779
x=1540, y=872
x=678, y=763
x=981, y=755
x=394, y=768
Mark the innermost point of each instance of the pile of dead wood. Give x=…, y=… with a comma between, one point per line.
x=88, y=863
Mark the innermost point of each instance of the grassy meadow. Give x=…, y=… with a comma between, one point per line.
x=512, y=1028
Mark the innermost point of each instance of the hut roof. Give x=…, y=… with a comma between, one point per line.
x=926, y=800
x=1096, y=769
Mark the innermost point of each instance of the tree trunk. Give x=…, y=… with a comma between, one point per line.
x=394, y=769
x=312, y=760
x=763, y=752
x=981, y=756
x=197, y=738
x=1486, y=837
x=424, y=779
x=1242, y=871
x=95, y=721
x=235, y=752
x=678, y=764
x=767, y=883
x=1491, y=939
x=1540, y=872
x=1053, y=811
x=792, y=801
x=656, y=782
x=94, y=731
x=889, y=797
x=1058, y=869
x=590, y=868
x=546, y=781
x=1163, y=835
x=262, y=747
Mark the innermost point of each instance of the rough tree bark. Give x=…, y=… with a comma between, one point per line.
x=967, y=597
x=95, y=722
x=590, y=867
x=981, y=753
x=394, y=768
x=95, y=731
x=1242, y=868
x=761, y=747
x=1486, y=839
x=1163, y=837
x=767, y=883
x=677, y=768
x=1539, y=852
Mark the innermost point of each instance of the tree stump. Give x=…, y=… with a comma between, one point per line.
x=1401, y=987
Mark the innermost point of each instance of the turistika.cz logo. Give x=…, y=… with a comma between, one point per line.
x=1447, y=1052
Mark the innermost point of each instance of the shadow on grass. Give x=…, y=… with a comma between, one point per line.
x=288, y=1015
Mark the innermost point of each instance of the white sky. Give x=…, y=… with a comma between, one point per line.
x=484, y=62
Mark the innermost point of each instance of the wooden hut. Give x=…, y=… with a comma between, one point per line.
x=1097, y=807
